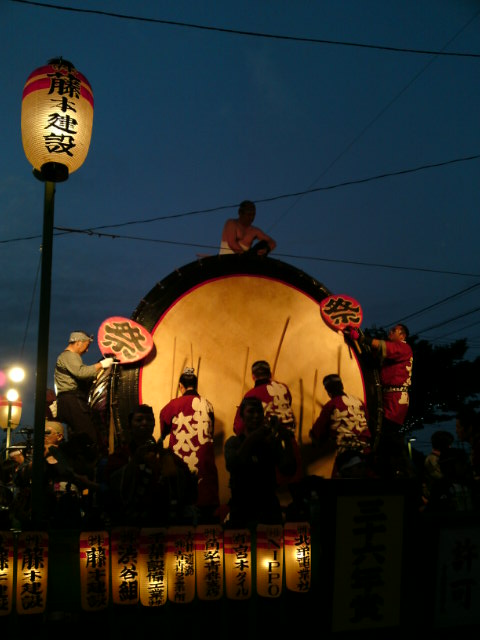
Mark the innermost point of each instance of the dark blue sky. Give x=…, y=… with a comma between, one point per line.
x=193, y=119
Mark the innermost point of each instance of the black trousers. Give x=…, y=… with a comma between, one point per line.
x=74, y=411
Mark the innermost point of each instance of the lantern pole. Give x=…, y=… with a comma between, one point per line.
x=57, y=116
x=9, y=423
x=42, y=356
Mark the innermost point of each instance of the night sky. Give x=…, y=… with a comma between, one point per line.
x=353, y=126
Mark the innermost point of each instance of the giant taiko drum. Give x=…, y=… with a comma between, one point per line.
x=218, y=315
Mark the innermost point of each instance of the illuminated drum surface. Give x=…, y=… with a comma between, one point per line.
x=220, y=314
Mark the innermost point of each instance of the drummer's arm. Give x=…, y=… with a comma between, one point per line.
x=261, y=235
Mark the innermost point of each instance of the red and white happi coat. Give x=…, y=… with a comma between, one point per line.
x=190, y=421
x=276, y=400
x=343, y=420
x=396, y=378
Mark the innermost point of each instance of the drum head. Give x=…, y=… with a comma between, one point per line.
x=220, y=314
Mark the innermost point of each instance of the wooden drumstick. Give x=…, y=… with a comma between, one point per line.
x=181, y=371
x=314, y=393
x=244, y=373
x=173, y=364
x=280, y=346
x=300, y=417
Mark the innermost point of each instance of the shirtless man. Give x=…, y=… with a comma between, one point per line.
x=239, y=235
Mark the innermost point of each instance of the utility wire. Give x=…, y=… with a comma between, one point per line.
x=444, y=335
x=435, y=304
x=374, y=120
x=338, y=185
x=65, y=230
x=251, y=34
x=444, y=322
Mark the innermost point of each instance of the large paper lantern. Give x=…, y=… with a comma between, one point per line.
x=298, y=556
x=7, y=569
x=269, y=560
x=152, y=567
x=57, y=119
x=32, y=572
x=124, y=564
x=209, y=561
x=94, y=570
x=181, y=563
x=238, y=563
x=10, y=413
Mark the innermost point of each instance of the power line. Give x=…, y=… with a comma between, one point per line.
x=377, y=117
x=435, y=304
x=444, y=322
x=251, y=34
x=89, y=232
x=468, y=326
x=338, y=185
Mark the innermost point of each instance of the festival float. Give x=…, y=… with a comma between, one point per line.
x=353, y=563
x=218, y=315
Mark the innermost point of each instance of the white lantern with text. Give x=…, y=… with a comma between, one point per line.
x=94, y=570
x=57, y=119
x=269, y=560
x=209, y=561
x=298, y=556
x=238, y=563
x=152, y=567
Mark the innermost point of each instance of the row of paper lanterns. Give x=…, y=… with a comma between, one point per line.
x=153, y=566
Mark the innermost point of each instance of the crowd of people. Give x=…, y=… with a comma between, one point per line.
x=175, y=480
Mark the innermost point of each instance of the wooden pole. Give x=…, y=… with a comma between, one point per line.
x=280, y=346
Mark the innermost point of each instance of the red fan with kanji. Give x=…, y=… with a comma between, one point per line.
x=124, y=339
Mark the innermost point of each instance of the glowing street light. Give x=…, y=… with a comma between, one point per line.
x=16, y=374
x=57, y=118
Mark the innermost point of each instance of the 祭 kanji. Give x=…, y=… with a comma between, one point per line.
x=122, y=337
x=342, y=311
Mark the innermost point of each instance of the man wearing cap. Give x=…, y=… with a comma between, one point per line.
x=343, y=424
x=73, y=380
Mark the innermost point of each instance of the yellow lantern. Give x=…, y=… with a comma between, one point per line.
x=269, y=560
x=238, y=563
x=32, y=572
x=152, y=567
x=10, y=412
x=94, y=570
x=57, y=119
x=209, y=561
x=181, y=563
x=298, y=552
x=124, y=548
x=6, y=572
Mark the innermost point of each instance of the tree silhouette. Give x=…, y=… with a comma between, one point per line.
x=442, y=382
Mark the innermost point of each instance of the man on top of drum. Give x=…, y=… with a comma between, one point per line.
x=239, y=235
